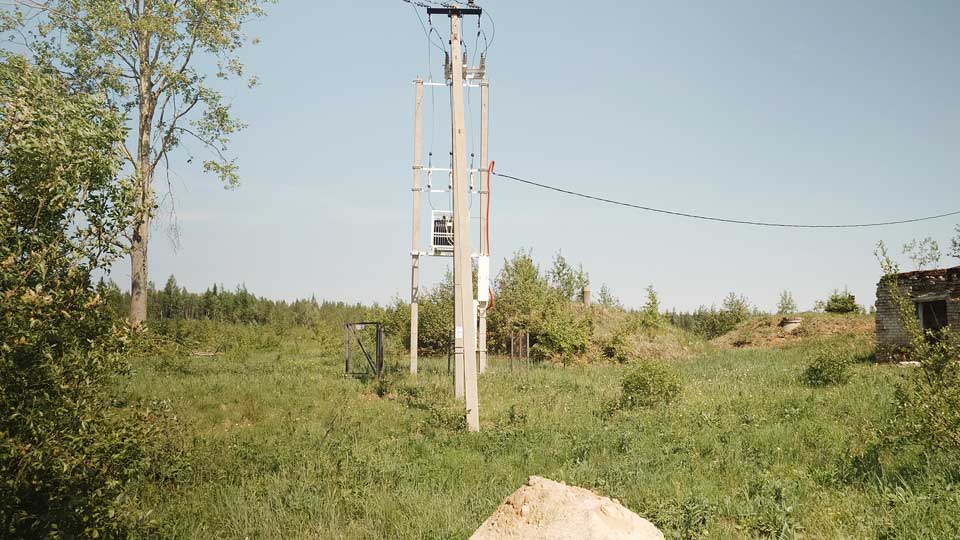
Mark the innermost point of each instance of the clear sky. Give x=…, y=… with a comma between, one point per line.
x=815, y=111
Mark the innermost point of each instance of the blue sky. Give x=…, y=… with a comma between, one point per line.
x=768, y=110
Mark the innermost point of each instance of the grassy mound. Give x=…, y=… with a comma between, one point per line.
x=624, y=336
x=765, y=331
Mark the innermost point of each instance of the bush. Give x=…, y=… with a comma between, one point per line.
x=710, y=323
x=67, y=453
x=617, y=347
x=563, y=335
x=649, y=384
x=842, y=302
x=830, y=366
x=928, y=403
x=786, y=305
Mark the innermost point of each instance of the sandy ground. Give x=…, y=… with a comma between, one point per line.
x=548, y=510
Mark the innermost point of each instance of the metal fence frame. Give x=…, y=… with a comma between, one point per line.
x=374, y=364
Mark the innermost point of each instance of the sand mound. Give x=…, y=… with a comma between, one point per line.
x=763, y=332
x=548, y=510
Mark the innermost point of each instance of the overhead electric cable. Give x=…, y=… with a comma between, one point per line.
x=725, y=220
x=493, y=34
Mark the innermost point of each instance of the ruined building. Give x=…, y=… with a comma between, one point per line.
x=936, y=297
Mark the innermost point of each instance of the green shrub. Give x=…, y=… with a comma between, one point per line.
x=711, y=322
x=67, y=454
x=928, y=402
x=562, y=336
x=649, y=384
x=842, y=302
x=617, y=347
x=830, y=366
x=786, y=305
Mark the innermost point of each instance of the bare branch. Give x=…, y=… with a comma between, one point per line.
x=164, y=144
x=208, y=143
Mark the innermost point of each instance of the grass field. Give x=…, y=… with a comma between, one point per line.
x=277, y=443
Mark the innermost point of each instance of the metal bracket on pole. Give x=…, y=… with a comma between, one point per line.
x=455, y=11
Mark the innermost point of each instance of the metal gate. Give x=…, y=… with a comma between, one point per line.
x=372, y=362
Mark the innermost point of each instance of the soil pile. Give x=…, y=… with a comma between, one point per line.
x=548, y=510
x=764, y=332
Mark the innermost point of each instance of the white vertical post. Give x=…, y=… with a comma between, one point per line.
x=415, y=246
x=464, y=333
x=484, y=239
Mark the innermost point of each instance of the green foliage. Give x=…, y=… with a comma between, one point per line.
x=786, y=305
x=648, y=384
x=748, y=451
x=710, y=323
x=563, y=335
x=955, y=244
x=841, y=302
x=565, y=280
x=111, y=48
x=737, y=306
x=651, y=309
x=436, y=317
x=67, y=455
x=618, y=346
x=923, y=253
x=240, y=306
x=143, y=58
x=830, y=365
x=442, y=412
x=928, y=402
x=606, y=298
x=521, y=296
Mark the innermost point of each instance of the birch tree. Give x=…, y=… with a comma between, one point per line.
x=143, y=56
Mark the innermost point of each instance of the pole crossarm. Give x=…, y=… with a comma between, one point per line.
x=455, y=11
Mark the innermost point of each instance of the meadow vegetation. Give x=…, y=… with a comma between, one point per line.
x=274, y=442
x=748, y=436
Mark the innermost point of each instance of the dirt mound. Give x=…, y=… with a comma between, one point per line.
x=764, y=332
x=548, y=510
x=630, y=334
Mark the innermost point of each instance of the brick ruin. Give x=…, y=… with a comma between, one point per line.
x=936, y=295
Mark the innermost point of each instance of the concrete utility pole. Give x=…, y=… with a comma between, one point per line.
x=465, y=344
x=484, y=238
x=415, y=250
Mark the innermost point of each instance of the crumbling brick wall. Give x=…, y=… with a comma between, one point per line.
x=923, y=285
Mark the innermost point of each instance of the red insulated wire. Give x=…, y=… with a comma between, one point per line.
x=487, y=225
x=487, y=232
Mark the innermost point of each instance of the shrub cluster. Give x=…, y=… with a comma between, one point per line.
x=67, y=454
x=710, y=322
x=841, y=302
x=829, y=366
x=648, y=384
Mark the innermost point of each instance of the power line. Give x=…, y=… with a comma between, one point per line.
x=724, y=220
x=493, y=26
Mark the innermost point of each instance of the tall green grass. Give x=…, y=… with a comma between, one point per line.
x=276, y=443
